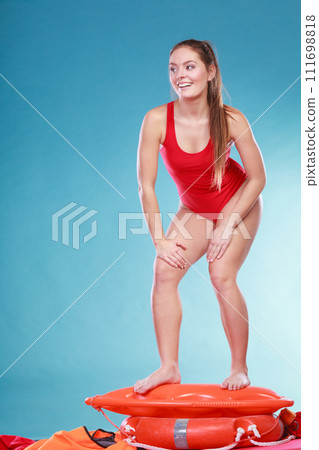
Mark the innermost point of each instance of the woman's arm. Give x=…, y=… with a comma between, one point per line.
x=241, y=133
x=147, y=164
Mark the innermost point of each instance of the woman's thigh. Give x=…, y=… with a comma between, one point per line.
x=192, y=230
x=242, y=238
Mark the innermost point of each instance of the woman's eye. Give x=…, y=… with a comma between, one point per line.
x=173, y=69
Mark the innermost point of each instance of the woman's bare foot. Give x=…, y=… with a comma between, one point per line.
x=163, y=375
x=237, y=379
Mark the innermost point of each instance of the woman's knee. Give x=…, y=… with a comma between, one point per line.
x=164, y=273
x=223, y=278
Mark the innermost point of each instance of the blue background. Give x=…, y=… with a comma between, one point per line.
x=93, y=69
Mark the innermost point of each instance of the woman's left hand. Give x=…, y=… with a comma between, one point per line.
x=219, y=242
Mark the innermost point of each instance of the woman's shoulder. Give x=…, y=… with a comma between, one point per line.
x=156, y=119
x=236, y=121
x=157, y=113
x=233, y=113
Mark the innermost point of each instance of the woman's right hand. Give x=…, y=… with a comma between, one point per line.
x=170, y=251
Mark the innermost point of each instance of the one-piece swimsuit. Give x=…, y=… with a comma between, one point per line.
x=192, y=173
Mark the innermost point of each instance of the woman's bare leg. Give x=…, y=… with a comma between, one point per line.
x=234, y=315
x=166, y=303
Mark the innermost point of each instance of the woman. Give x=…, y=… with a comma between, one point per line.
x=212, y=187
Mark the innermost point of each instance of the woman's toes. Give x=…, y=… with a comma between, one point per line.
x=236, y=380
x=226, y=383
x=138, y=386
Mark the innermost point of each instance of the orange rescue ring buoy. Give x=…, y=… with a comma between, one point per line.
x=202, y=433
x=191, y=401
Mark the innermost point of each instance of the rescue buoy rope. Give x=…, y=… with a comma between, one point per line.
x=151, y=447
x=107, y=418
x=240, y=432
x=126, y=430
x=272, y=444
x=254, y=429
x=268, y=431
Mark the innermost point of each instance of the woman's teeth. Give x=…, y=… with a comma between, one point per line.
x=182, y=85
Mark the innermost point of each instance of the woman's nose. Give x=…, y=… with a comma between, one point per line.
x=181, y=71
x=180, y=74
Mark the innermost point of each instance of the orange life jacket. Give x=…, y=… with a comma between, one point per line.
x=80, y=439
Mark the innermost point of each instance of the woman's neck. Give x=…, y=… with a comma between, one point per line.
x=193, y=108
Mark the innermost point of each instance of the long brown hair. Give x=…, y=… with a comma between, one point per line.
x=217, y=110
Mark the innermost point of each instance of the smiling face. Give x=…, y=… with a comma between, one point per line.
x=188, y=73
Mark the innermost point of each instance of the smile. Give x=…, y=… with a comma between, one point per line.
x=184, y=85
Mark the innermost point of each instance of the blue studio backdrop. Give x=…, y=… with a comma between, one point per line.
x=77, y=78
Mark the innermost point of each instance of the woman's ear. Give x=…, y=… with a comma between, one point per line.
x=211, y=72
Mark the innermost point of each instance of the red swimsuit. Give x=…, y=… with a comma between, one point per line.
x=191, y=173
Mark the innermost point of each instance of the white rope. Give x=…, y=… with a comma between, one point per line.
x=269, y=444
x=240, y=432
x=127, y=430
x=253, y=428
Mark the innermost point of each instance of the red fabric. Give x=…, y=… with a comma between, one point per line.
x=14, y=442
x=191, y=173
